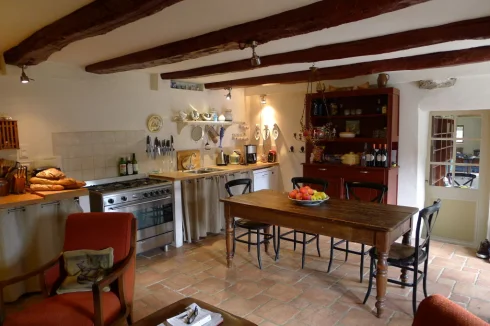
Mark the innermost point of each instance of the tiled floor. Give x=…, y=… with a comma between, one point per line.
x=284, y=294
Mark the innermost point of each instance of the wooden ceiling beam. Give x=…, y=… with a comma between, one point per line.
x=418, y=62
x=464, y=30
x=96, y=18
x=314, y=17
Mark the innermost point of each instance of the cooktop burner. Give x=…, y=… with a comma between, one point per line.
x=127, y=185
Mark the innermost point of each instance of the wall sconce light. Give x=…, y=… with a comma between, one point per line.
x=262, y=99
x=228, y=96
x=24, y=79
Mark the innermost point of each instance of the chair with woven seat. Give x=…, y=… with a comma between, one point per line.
x=93, y=231
x=351, y=189
x=408, y=257
x=253, y=228
x=297, y=183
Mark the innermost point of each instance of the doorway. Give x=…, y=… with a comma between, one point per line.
x=456, y=173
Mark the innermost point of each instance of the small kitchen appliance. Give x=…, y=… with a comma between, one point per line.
x=250, y=154
x=272, y=156
x=222, y=159
x=150, y=201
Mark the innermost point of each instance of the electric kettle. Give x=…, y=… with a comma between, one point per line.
x=222, y=158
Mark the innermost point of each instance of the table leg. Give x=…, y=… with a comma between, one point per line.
x=229, y=236
x=407, y=237
x=381, y=281
x=266, y=244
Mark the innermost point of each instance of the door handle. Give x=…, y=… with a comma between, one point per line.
x=322, y=169
x=363, y=171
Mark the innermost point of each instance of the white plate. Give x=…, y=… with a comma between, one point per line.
x=154, y=123
x=308, y=202
x=347, y=135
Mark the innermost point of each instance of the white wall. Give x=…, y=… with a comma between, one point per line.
x=66, y=99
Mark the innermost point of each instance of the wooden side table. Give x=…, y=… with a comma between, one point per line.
x=178, y=307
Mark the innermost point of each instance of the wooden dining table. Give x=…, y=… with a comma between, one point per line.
x=373, y=224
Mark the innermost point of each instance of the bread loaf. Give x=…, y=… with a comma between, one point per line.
x=77, y=185
x=68, y=182
x=51, y=174
x=38, y=187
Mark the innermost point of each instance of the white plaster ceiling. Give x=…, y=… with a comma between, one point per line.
x=194, y=17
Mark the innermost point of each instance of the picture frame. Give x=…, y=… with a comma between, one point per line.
x=353, y=126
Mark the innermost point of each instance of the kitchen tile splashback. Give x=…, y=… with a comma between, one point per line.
x=95, y=155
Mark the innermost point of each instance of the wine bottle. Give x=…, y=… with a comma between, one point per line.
x=372, y=156
x=384, y=157
x=129, y=166
x=378, y=108
x=364, y=156
x=122, y=167
x=378, y=157
x=135, y=164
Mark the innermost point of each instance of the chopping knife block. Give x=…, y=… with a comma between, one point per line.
x=183, y=155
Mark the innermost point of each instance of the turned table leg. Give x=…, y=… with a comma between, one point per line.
x=406, y=241
x=229, y=236
x=266, y=243
x=381, y=281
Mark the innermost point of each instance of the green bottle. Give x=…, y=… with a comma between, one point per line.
x=122, y=167
x=135, y=164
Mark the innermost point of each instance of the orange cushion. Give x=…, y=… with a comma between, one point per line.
x=74, y=309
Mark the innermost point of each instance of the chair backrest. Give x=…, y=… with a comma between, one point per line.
x=239, y=182
x=302, y=181
x=427, y=219
x=379, y=191
x=470, y=177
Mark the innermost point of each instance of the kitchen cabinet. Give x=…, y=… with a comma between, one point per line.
x=265, y=179
x=337, y=175
x=373, y=115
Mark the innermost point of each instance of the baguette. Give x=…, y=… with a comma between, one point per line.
x=68, y=182
x=77, y=185
x=51, y=174
x=38, y=187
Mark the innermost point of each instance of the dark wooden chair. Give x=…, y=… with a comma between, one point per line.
x=351, y=189
x=251, y=226
x=304, y=241
x=408, y=257
x=469, y=182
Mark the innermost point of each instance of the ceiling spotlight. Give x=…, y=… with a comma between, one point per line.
x=262, y=99
x=255, y=60
x=24, y=79
x=228, y=96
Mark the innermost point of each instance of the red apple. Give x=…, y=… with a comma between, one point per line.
x=299, y=196
x=303, y=190
x=293, y=193
x=306, y=197
x=311, y=191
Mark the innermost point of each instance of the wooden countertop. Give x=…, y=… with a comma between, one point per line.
x=38, y=197
x=179, y=175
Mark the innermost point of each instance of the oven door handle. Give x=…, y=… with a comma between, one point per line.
x=138, y=204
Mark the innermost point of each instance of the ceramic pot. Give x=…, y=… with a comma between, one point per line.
x=350, y=159
x=383, y=80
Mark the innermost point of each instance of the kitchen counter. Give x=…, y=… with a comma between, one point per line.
x=38, y=197
x=180, y=175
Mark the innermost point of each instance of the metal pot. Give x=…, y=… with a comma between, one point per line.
x=221, y=159
x=235, y=158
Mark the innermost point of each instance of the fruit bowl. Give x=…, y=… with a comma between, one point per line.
x=308, y=202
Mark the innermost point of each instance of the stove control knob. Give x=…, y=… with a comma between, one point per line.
x=145, y=195
x=161, y=192
x=110, y=201
x=153, y=193
x=167, y=191
x=124, y=198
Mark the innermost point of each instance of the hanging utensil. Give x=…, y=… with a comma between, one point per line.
x=148, y=146
x=212, y=133
x=197, y=133
x=207, y=146
x=221, y=135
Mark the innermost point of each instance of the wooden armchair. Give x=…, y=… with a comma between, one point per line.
x=94, y=231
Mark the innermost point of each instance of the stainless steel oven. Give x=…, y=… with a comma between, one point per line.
x=149, y=200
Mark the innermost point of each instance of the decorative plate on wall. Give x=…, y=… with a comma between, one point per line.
x=154, y=123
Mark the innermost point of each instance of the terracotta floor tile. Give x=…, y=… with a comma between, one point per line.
x=473, y=291
x=239, y=306
x=459, y=298
x=483, y=278
x=261, y=299
x=480, y=308
x=246, y=289
x=147, y=278
x=283, y=275
x=189, y=291
x=436, y=288
x=459, y=276
x=283, y=292
x=277, y=312
x=455, y=262
x=356, y=317
x=179, y=282
x=323, y=316
x=212, y=285
x=320, y=296
x=254, y=318
x=212, y=300
x=400, y=319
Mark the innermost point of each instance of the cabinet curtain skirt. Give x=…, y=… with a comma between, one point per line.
x=30, y=237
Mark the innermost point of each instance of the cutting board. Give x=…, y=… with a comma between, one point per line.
x=182, y=157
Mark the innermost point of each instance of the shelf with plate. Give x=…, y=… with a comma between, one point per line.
x=350, y=116
x=204, y=123
x=353, y=140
